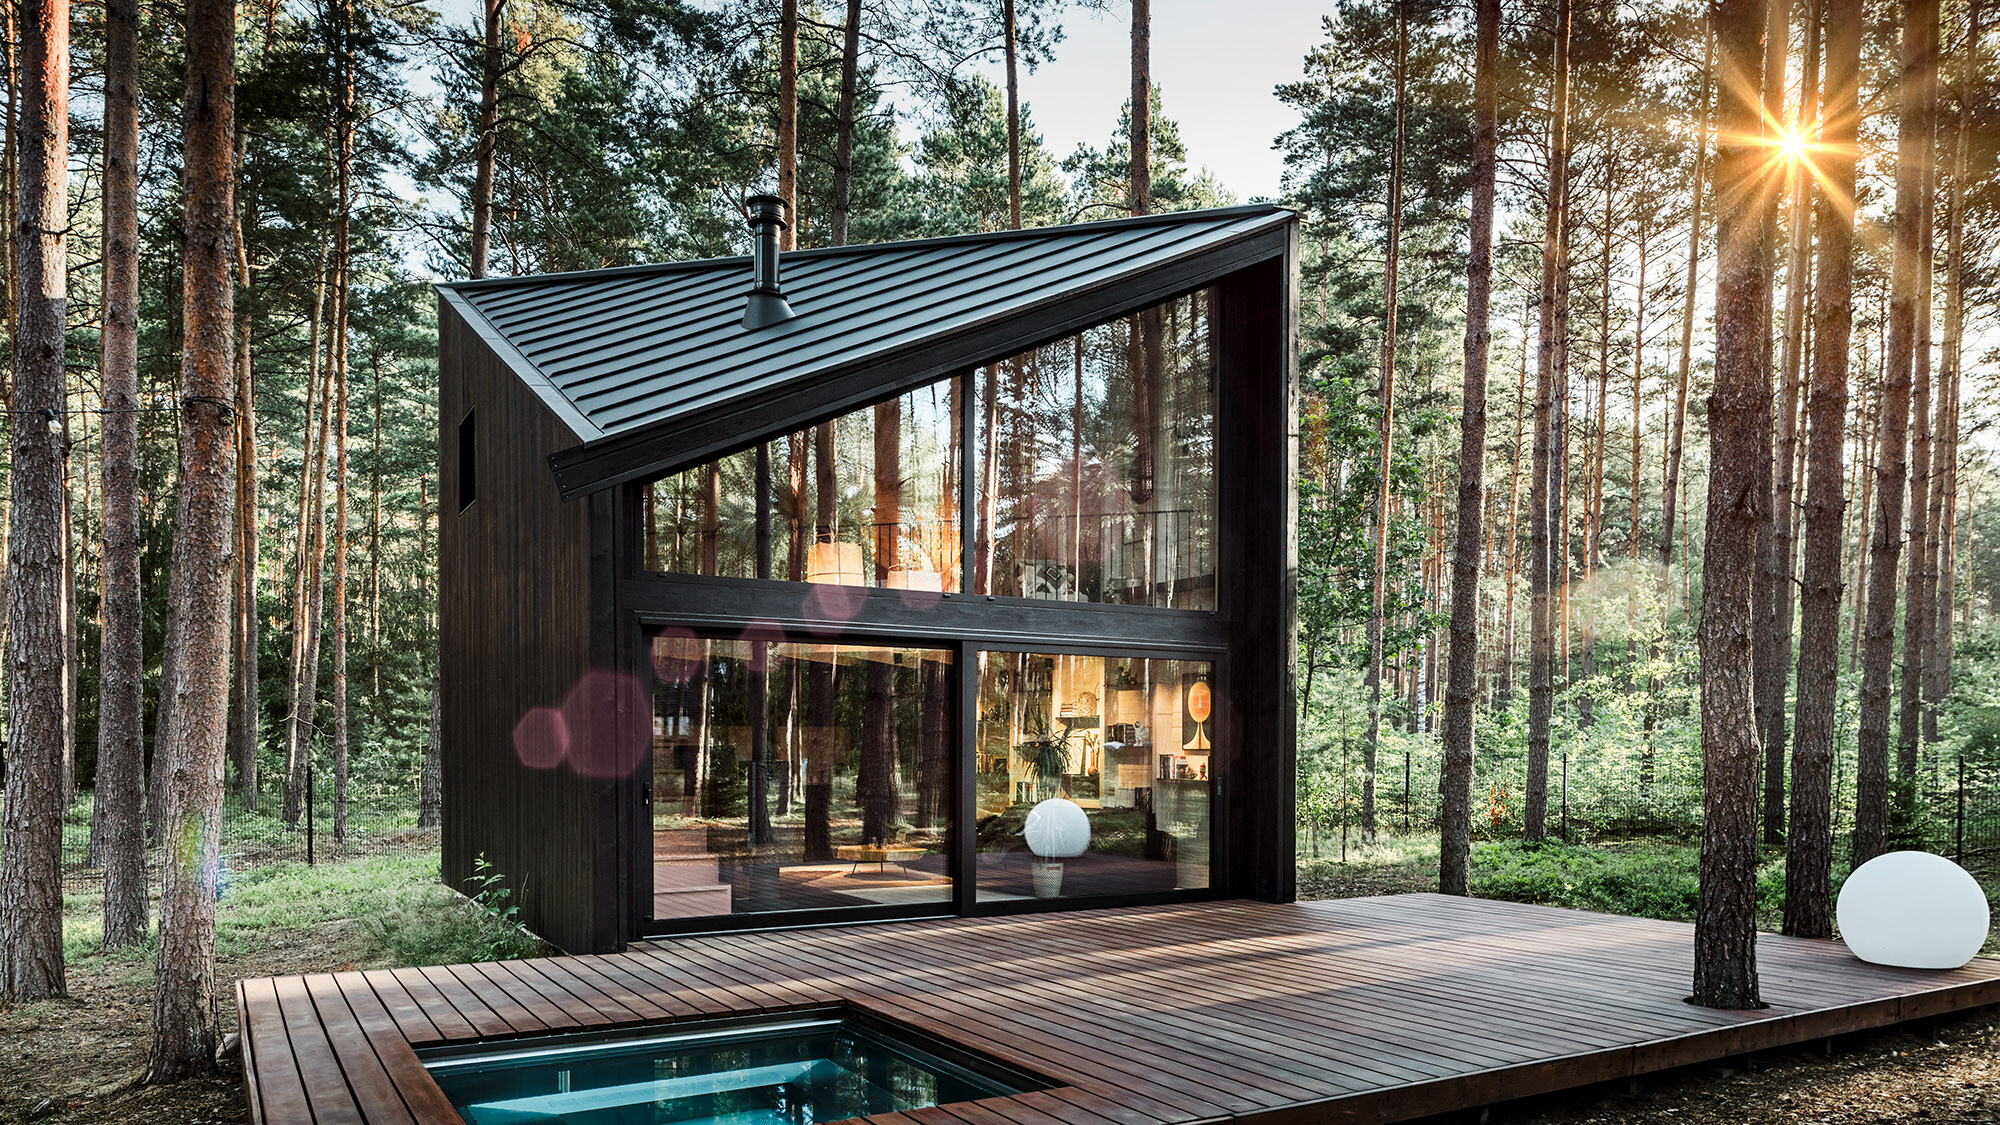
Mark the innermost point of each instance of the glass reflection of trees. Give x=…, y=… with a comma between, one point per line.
x=1097, y=464
x=1094, y=480
x=868, y=499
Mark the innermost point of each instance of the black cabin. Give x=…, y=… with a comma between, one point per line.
x=951, y=576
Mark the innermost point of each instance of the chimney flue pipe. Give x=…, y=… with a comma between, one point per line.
x=767, y=301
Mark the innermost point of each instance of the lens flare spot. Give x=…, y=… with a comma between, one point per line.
x=541, y=738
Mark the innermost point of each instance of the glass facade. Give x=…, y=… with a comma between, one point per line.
x=1094, y=480
x=1127, y=740
x=794, y=776
x=1097, y=464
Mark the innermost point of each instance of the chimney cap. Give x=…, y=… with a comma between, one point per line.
x=765, y=207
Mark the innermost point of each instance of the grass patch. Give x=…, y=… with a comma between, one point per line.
x=1645, y=879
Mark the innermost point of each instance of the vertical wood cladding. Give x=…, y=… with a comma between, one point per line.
x=514, y=634
x=1260, y=487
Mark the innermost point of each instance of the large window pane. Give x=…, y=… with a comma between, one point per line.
x=868, y=499
x=1096, y=464
x=871, y=498
x=799, y=776
x=704, y=520
x=1126, y=740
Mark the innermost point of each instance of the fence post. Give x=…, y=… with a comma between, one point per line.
x=1960, y=828
x=1406, y=792
x=309, y=811
x=1565, y=797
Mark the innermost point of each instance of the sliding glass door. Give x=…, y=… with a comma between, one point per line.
x=792, y=776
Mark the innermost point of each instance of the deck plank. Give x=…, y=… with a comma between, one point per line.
x=1359, y=1010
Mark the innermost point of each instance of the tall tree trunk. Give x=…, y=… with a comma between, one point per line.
x=844, y=126
x=1871, y=447
x=1461, y=688
x=788, y=121
x=1505, y=695
x=1944, y=521
x=1012, y=49
x=1670, y=488
x=343, y=285
x=1783, y=490
x=31, y=950
x=244, y=717
x=1391, y=292
x=1922, y=29
x=821, y=675
x=1809, y=838
x=1593, y=526
x=121, y=749
x=490, y=62
x=302, y=705
x=185, y=1031
x=1892, y=467
x=1546, y=481
x=1770, y=668
x=1725, y=963
x=1139, y=193
x=1634, y=544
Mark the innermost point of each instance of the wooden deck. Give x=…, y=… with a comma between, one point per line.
x=1357, y=1010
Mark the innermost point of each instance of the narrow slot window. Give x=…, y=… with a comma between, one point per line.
x=468, y=462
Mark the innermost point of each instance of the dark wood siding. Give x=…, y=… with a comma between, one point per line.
x=1258, y=461
x=514, y=633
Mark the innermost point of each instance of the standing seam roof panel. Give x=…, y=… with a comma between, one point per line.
x=630, y=347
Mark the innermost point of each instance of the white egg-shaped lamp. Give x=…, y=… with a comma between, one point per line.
x=1057, y=829
x=1913, y=910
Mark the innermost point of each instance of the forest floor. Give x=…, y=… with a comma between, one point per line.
x=78, y=1061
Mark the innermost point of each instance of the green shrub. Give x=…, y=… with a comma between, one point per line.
x=442, y=928
x=1647, y=880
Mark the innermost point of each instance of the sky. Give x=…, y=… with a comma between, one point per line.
x=1217, y=63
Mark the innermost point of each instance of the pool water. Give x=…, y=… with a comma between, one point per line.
x=793, y=1070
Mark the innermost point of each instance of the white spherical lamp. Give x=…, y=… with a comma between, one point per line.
x=1057, y=829
x=1913, y=910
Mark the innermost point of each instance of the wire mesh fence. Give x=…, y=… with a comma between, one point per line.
x=261, y=836
x=1602, y=791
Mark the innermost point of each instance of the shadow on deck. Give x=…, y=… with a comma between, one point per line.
x=1356, y=1010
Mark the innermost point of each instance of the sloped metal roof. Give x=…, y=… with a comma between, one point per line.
x=618, y=351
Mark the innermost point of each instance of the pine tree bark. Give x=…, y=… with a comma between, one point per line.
x=1809, y=836
x=1770, y=669
x=1139, y=195
x=844, y=126
x=1546, y=480
x=1725, y=964
x=1944, y=521
x=1462, y=673
x=121, y=751
x=788, y=121
x=344, y=126
x=31, y=950
x=1783, y=490
x=185, y=1031
x=487, y=152
x=1917, y=620
x=302, y=717
x=1391, y=292
x=1670, y=487
x=1012, y=48
x=245, y=712
x=1892, y=465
